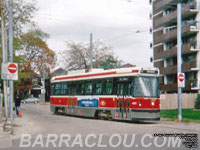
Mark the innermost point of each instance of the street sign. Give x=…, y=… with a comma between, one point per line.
x=181, y=80
x=9, y=71
x=12, y=68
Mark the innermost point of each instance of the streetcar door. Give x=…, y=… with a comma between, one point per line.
x=71, y=99
x=123, y=97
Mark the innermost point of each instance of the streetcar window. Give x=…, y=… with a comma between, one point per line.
x=88, y=88
x=80, y=88
x=52, y=89
x=63, y=90
x=97, y=87
x=146, y=87
x=124, y=86
x=108, y=86
x=72, y=88
x=57, y=88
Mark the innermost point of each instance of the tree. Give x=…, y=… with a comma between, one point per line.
x=36, y=52
x=77, y=56
x=22, y=15
x=33, y=53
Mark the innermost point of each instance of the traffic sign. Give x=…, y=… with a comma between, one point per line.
x=181, y=80
x=9, y=71
x=12, y=68
x=181, y=77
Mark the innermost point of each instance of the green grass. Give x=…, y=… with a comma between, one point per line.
x=188, y=115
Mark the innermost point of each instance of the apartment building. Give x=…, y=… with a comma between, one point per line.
x=164, y=31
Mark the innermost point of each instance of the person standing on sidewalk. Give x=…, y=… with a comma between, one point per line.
x=17, y=104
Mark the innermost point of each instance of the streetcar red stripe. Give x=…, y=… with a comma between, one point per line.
x=87, y=75
x=93, y=75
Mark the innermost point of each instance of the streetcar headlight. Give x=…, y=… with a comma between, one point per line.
x=140, y=105
x=152, y=103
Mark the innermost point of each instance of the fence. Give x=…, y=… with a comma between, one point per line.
x=169, y=101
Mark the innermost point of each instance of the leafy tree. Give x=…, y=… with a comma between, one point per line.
x=22, y=15
x=36, y=52
x=77, y=56
x=29, y=45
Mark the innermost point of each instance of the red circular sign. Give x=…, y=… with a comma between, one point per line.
x=12, y=68
x=181, y=77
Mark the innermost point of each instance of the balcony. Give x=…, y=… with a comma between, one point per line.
x=186, y=48
x=172, y=35
x=187, y=66
x=158, y=5
x=187, y=11
x=173, y=86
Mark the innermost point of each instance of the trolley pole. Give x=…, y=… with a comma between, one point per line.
x=11, y=57
x=179, y=58
x=91, y=55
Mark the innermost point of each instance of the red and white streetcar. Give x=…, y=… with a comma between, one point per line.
x=121, y=94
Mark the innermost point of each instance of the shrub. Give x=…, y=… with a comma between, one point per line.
x=197, y=103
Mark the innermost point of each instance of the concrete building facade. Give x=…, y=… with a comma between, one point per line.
x=164, y=31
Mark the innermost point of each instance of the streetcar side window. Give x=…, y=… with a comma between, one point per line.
x=52, y=89
x=97, y=85
x=88, y=88
x=108, y=86
x=72, y=88
x=63, y=90
x=57, y=88
x=80, y=88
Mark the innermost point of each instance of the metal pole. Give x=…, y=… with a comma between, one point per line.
x=179, y=57
x=43, y=90
x=91, y=56
x=11, y=56
x=4, y=54
x=0, y=108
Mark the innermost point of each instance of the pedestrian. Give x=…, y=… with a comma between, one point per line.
x=17, y=104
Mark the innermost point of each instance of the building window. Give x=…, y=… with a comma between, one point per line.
x=189, y=58
x=191, y=76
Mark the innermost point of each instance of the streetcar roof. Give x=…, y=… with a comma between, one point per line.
x=100, y=73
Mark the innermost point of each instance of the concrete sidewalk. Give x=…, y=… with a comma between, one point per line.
x=5, y=137
x=21, y=125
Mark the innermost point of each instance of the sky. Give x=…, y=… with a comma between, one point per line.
x=115, y=22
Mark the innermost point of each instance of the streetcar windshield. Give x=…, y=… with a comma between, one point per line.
x=146, y=87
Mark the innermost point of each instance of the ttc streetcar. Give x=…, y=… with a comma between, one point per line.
x=119, y=94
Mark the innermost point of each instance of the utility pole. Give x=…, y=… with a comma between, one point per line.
x=10, y=13
x=91, y=55
x=1, y=106
x=43, y=84
x=4, y=54
x=179, y=57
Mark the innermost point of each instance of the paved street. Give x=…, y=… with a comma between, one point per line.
x=39, y=123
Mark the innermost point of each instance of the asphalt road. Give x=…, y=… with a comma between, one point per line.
x=39, y=129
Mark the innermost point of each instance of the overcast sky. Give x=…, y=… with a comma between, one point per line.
x=115, y=22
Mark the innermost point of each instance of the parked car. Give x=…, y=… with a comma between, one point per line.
x=31, y=100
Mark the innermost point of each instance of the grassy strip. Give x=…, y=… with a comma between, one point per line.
x=189, y=115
